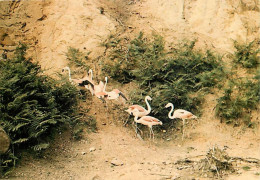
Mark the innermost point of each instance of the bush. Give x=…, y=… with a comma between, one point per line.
x=246, y=54
x=242, y=94
x=32, y=105
x=178, y=75
x=240, y=97
x=77, y=58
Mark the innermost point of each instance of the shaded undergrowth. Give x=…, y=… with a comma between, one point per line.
x=180, y=75
x=33, y=106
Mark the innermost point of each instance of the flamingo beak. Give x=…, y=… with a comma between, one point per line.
x=121, y=94
x=129, y=111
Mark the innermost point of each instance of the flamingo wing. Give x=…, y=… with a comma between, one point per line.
x=101, y=94
x=137, y=107
x=151, y=119
x=180, y=113
x=116, y=91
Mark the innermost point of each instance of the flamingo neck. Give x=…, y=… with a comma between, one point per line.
x=91, y=74
x=169, y=115
x=69, y=73
x=136, y=119
x=148, y=105
x=105, y=84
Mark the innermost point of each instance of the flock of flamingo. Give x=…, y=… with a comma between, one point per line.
x=99, y=90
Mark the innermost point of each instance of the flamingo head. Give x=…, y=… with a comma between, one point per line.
x=112, y=95
x=129, y=111
x=168, y=105
x=65, y=68
x=148, y=98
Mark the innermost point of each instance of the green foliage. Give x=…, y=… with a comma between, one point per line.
x=118, y=65
x=178, y=75
x=240, y=97
x=246, y=168
x=76, y=57
x=246, y=54
x=32, y=105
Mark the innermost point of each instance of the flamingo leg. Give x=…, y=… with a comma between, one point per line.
x=183, y=129
x=139, y=130
x=136, y=130
x=152, y=133
x=107, y=111
x=126, y=121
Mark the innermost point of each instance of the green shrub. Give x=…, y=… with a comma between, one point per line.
x=246, y=54
x=179, y=75
x=32, y=105
x=240, y=97
x=78, y=58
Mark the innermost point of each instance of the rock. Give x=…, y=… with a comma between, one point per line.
x=7, y=41
x=4, y=141
x=96, y=177
x=249, y=4
x=92, y=149
x=166, y=162
x=175, y=176
x=2, y=34
x=83, y=153
x=117, y=162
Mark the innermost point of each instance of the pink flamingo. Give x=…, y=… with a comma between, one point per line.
x=90, y=79
x=79, y=82
x=148, y=121
x=98, y=90
x=115, y=94
x=140, y=111
x=181, y=114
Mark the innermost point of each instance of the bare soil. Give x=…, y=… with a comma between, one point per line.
x=114, y=151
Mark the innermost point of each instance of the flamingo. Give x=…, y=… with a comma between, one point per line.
x=140, y=111
x=90, y=78
x=79, y=82
x=98, y=90
x=181, y=114
x=148, y=121
x=115, y=93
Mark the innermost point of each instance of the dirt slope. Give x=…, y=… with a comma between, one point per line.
x=52, y=26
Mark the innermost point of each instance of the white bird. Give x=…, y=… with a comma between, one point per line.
x=140, y=111
x=181, y=114
x=115, y=94
x=148, y=121
x=79, y=82
x=90, y=78
x=98, y=90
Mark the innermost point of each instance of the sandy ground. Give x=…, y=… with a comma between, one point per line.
x=50, y=27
